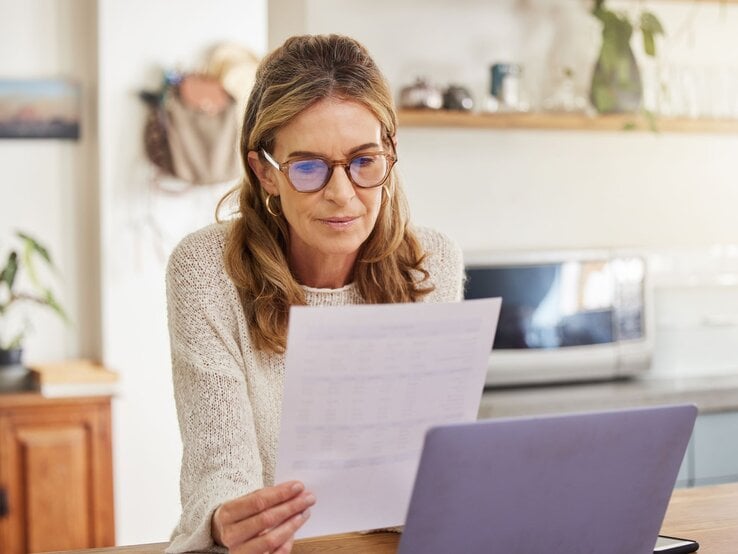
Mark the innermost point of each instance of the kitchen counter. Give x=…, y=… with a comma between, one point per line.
x=710, y=394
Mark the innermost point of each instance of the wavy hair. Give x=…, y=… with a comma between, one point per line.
x=301, y=72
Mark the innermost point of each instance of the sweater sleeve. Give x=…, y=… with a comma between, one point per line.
x=220, y=456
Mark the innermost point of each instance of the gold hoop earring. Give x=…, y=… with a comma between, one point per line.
x=267, y=203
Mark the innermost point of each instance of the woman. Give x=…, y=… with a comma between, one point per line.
x=322, y=221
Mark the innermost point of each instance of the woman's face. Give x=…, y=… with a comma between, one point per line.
x=333, y=222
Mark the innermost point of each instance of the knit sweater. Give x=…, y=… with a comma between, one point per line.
x=228, y=393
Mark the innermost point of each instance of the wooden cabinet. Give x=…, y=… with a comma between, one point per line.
x=55, y=473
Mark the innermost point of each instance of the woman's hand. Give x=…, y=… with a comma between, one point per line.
x=264, y=520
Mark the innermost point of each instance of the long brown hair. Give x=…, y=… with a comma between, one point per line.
x=301, y=72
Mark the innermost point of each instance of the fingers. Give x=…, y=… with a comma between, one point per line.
x=286, y=548
x=256, y=502
x=263, y=522
x=279, y=539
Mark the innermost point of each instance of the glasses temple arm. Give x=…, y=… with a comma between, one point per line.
x=271, y=160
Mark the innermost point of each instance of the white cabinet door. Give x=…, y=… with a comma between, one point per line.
x=716, y=448
x=685, y=477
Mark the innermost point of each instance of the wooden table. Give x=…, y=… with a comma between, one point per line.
x=708, y=515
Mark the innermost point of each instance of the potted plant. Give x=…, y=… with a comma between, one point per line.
x=616, y=81
x=21, y=283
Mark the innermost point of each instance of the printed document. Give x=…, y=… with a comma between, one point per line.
x=362, y=385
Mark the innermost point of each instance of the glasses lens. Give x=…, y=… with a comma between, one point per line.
x=308, y=175
x=369, y=170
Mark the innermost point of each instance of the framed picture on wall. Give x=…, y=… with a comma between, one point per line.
x=39, y=109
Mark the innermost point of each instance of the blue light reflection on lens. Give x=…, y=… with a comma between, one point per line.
x=368, y=170
x=308, y=174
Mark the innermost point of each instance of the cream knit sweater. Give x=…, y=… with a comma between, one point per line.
x=228, y=394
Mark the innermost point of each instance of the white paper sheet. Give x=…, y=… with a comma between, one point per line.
x=362, y=385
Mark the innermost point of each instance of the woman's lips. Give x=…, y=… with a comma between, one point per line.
x=338, y=222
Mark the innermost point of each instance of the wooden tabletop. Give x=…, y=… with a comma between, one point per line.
x=708, y=515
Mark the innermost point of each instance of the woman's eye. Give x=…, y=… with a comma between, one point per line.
x=364, y=161
x=309, y=166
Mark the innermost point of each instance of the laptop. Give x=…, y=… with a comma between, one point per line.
x=576, y=483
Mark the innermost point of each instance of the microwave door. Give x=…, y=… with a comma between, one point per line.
x=560, y=321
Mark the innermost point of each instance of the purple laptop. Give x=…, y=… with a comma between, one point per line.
x=580, y=483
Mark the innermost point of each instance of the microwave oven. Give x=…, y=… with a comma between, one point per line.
x=566, y=316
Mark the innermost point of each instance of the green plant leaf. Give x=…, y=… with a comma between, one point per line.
x=615, y=28
x=10, y=270
x=52, y=303
x=27, y=258
x=36, y=246
x=650, y=27
x=651, y=24
x=649, y=45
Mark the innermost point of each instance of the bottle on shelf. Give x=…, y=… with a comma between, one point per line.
x=506, y=92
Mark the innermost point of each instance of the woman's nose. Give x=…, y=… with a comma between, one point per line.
x=339, y=188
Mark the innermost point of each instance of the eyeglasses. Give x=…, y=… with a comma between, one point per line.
x=312, y=174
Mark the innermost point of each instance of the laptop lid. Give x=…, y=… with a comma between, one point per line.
x=578, y=483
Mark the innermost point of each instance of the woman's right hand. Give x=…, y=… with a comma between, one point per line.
x=263, y=521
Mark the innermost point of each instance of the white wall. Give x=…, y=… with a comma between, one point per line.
x=48, y=187
x=528, y=190
x=139, y=228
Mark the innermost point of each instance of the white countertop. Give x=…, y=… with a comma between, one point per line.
x=710, y=394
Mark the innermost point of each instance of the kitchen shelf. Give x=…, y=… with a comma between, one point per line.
x=561, y=121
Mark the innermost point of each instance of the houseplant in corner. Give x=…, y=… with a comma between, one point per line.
x=616, y=80
x=21, y=284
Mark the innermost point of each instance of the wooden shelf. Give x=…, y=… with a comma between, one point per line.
x=562, y=121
